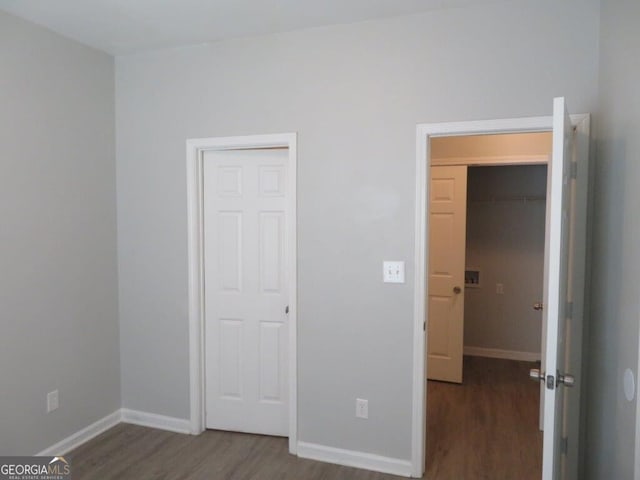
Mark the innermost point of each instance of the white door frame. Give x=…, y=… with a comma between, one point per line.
x=195, y=155
x=423, y=161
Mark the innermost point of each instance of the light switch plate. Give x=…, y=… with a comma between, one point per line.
x=393, y=272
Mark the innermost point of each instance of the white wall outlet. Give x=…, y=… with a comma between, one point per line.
x=362, y=408
x=500, y=288
x=53, y=401
x=393, y=272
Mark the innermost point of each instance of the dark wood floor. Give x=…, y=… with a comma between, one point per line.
x=129, y=452
x=480, y=430
x=486, y=428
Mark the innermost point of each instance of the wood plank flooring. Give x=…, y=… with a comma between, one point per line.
x=129, y=452
x=486, y=428
x=477, y=431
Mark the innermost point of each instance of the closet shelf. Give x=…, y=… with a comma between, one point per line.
x=513, y=199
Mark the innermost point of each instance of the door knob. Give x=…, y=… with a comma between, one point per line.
x=538, y=306
x=535, y=375
x=457, y=290
x=567, y=380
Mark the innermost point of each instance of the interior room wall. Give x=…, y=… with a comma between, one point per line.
x=612, y=420
x=58, y=287
x=354, y=93
x=505, y=243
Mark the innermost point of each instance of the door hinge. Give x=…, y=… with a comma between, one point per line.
x=573, y=169
x=424, y=326
x=286, y=310
x=564, y=445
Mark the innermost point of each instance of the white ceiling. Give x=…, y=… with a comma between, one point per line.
x=126, y=26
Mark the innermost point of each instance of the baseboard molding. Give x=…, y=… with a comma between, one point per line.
x=82, y=436
x=351, y=458
x=123, y=415
x=153, y=420
x=311, y=451
x=504, y=354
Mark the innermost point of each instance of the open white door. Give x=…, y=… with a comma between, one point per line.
x=563, y=298
x=447, y=237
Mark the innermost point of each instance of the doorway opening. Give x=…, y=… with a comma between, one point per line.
x=243, y=284
x=487, y=237
x=562, y=361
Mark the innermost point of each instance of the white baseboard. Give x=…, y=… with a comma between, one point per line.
x=123, y=415
x=504, y=354
x=311, y=451
x=82, y=436
x=153, y=420
x=351, y=458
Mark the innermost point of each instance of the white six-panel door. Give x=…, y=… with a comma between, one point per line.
x=447, y=230
x=246, y=290
x=564, y=293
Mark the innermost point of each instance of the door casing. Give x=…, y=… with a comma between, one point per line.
x=424, y=132
x=195, y=149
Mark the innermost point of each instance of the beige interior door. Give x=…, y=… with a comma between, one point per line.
x=447, y=230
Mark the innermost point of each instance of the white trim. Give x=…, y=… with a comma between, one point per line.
x=292, y=236
x=481, y=127
x=350, y=458
x=195, y=149
x=504, y=354
x=82, y=436
x=636, y=473
x=123, y=415
x=153, y=420
x=423, y=132
x=418, y=424
x=493, y=160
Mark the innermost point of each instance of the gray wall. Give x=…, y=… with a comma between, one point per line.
x=505, y=241
x=58, y=287
x=616, y=237
x=354, y=93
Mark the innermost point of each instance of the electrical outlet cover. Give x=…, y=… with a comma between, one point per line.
x=362, y=408
x=53, y=401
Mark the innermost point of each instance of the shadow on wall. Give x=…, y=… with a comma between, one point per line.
x=608, y=310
